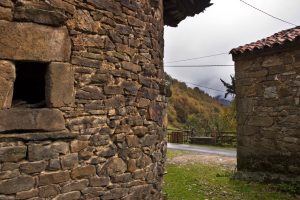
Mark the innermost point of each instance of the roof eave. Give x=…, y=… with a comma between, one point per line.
x=177, y=10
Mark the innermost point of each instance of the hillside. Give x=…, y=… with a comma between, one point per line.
x=193, y=108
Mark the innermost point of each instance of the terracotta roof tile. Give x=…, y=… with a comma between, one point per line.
x=280, y=38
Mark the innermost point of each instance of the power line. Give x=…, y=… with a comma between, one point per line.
x=268, y=13
x=197, y=58
x=197, y=66
x=201, y=86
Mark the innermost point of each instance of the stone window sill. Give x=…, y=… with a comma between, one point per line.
x=37, y=136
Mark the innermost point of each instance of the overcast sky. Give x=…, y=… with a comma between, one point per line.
x=225, y=25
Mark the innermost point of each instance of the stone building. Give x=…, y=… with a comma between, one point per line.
x=82, y=97
x=268, y=106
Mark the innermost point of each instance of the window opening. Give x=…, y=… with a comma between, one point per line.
x=29, y=87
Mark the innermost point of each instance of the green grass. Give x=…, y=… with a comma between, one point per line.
x=174, y=153
x=200, y=182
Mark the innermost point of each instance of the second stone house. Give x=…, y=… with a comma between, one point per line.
x=268, y=107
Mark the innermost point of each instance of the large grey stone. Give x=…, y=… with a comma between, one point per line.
x=38, y=152
x=13, y=153
x=60, y=85
x=15, y=185
x=31, y=119
x=114, y=166
x=83, y=172
x=7, y=78
x=32, y=42
x=38, y=12
x=33, y=167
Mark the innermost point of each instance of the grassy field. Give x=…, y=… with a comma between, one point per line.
x=202, y=181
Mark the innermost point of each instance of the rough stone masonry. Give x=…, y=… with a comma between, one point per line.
x=268, y=107
x=82, y=97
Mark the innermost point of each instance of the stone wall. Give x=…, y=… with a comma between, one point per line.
x=100, y=133
x=268, y=94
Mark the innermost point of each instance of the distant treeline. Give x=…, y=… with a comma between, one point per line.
x=192, y=108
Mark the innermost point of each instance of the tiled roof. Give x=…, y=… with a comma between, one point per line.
x=277, y=39
x=177, y=10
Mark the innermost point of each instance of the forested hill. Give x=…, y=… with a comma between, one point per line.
x=193, y=108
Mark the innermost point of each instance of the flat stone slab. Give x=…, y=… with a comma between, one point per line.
x=37, y=136
x=30, y=120
x=33, y=42
x=60, y=85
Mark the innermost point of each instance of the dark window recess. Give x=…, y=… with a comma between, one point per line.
x=29, y=87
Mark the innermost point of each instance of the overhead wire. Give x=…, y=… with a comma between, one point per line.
x=197, y=66
x=219, y=54
x=197, y=58
x=201, y=86
x=282, y=20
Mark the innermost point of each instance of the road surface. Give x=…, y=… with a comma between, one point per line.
x=203, y=149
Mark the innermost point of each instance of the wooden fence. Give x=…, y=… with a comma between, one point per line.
x=179, y=136
x=226, y=138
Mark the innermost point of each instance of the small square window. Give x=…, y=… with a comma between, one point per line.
x=29, y=86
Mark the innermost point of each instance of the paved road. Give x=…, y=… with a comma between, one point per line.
x=203, y=149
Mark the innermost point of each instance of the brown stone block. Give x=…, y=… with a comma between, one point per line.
x=39, y=12
x=6, y=14
x=60, y=85
x=86, y=40
x=27, y=194
x=272, y=61
x=90, y=93
x=38, y=152
x=31, y=119
x=116, y=193
x=75, y=186
x=66, y=6
x=135, y=22
x=131, y=67
x=140, y=130
x=83, y=172
x=87, y=62
x=69, y=196
x=156, y=112
x=115, y=102
x=48, y=191
x=78, y=145
x=12, y=154
x=132, y=141
x=7, y=78
x=21, y=183
x=262, y=121
x=114, y=166
x=6, y=3
x=53, y=178
x=99, y=181
x=9, y=174
x=33, y=167
x=113, y=89
x=93, y=193
x=149, y=140
x=69, y=161
x=107, y=5
x=32, y=42
x=131, y=87
x=122, y=178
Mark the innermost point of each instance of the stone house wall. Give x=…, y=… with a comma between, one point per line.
x=268, y=107
x=99, y=133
